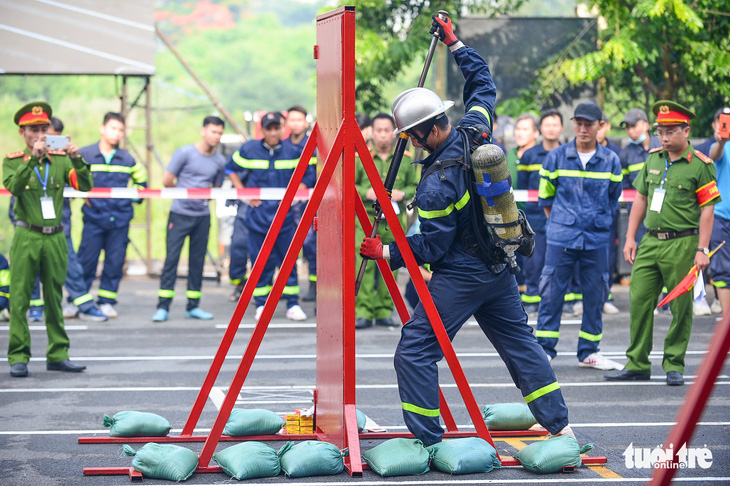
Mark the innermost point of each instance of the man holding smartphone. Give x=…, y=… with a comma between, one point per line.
x=36, y=177
x=720, y=153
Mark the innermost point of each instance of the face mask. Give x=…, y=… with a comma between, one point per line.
x=639, y=141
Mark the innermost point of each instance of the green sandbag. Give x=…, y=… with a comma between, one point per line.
x=249, y=460
x=469, y=455
x=361, y=420
x=163, y=461
x=310, y=458
x=137, y=424
x=253, y=422
x=508, y=416
x=551, y=455
x=398, y=457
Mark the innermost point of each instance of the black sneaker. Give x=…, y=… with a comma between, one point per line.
x=675, y=378
x=387, y=322
x=363, y=322
x=626, y=375
x=237, y=291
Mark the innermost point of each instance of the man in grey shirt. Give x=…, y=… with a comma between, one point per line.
x=195, y=166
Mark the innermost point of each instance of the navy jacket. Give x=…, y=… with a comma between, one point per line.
x=121, y=169
x=443, y=206
x=632, y=160
x=528, y=177
x=259, y=165
x=583, y=200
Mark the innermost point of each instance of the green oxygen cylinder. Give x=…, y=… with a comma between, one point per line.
x=495, y=190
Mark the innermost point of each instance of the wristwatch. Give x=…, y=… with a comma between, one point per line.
x=706, y=251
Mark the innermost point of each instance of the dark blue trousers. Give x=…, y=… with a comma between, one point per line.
x=78, y=292
x=310, y=253
x=556, y=276
x=239, y=246
x=495, y=303
x=114, y=243
x=263, y=287
x=533, y=269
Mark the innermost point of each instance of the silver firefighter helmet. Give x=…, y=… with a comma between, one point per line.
x=416, y=105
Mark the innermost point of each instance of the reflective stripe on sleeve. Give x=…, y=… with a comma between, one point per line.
x=542, y=391
x=546, y=189
x=286, y=164
x=426, y=412
x=636, y=167
x=529, y=168
x=440, y=213
x=123, y=169
x=249, y=163
x=483, y=111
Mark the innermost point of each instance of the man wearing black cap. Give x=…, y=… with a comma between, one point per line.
x=36, y=177
x=579, y=190
x=268, y=163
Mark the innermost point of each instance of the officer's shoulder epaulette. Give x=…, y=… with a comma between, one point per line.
x=657, y=149
x=56, y=151
x=14, y=155
x=408, y=153
x=703, y=157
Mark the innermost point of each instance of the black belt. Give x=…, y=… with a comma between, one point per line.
x=46, y=230
x=670, y=235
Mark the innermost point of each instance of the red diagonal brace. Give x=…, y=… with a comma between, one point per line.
x=426, y=300
x=284, y=270
x=247, y=293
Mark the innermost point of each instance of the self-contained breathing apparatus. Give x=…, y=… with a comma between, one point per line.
x=499, y=229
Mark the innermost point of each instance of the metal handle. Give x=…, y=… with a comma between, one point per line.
x=400, y=149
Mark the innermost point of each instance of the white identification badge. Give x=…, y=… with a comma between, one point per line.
x=47, y=208
x=396, y=208
x=658, y=199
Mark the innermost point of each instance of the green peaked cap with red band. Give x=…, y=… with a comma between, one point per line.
x=671, y=113
x=35, y=113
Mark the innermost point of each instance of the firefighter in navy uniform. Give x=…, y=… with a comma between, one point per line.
x=462, y=284
x=268, y=163
x=106, y=221
x=36, y=177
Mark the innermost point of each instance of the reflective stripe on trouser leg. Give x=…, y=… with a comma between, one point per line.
x=115, y=252
x=594, y=277
x=556, y=274
x=199, y=231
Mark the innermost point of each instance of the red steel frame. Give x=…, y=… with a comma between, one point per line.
x=337, y=137
x=696, y=400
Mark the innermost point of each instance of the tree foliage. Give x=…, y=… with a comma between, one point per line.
x=391, y=35
x=651, y=50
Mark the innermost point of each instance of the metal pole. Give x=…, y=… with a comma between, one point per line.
x=200, y=82
x=400, y=148
x=148, y=163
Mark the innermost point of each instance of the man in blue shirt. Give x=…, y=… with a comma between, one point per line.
x=106, y=221
x=579, y=190
x=720, y=263
x=268, y=163
x=194, y=166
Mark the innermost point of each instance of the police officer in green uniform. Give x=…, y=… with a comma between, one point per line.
x=676, y=191
x=36, y=177
x=373, y=302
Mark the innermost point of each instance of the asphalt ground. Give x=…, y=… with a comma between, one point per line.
x=134, y=364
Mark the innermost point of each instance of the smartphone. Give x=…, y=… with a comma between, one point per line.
x=723, y=128
x=56, y=141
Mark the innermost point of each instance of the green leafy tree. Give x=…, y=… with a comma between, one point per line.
x=391, y=35
x=651, y=50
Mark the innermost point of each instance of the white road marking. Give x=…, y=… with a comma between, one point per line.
x=43, y=328
x=619, y=354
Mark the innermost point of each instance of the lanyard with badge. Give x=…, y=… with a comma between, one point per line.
x=47, y=209
x=658, y=199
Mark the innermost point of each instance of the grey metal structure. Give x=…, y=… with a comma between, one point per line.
x=77, y=37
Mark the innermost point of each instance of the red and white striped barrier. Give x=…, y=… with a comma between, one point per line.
x=247, y=194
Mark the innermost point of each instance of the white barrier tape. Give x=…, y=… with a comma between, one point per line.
x=247, y=194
